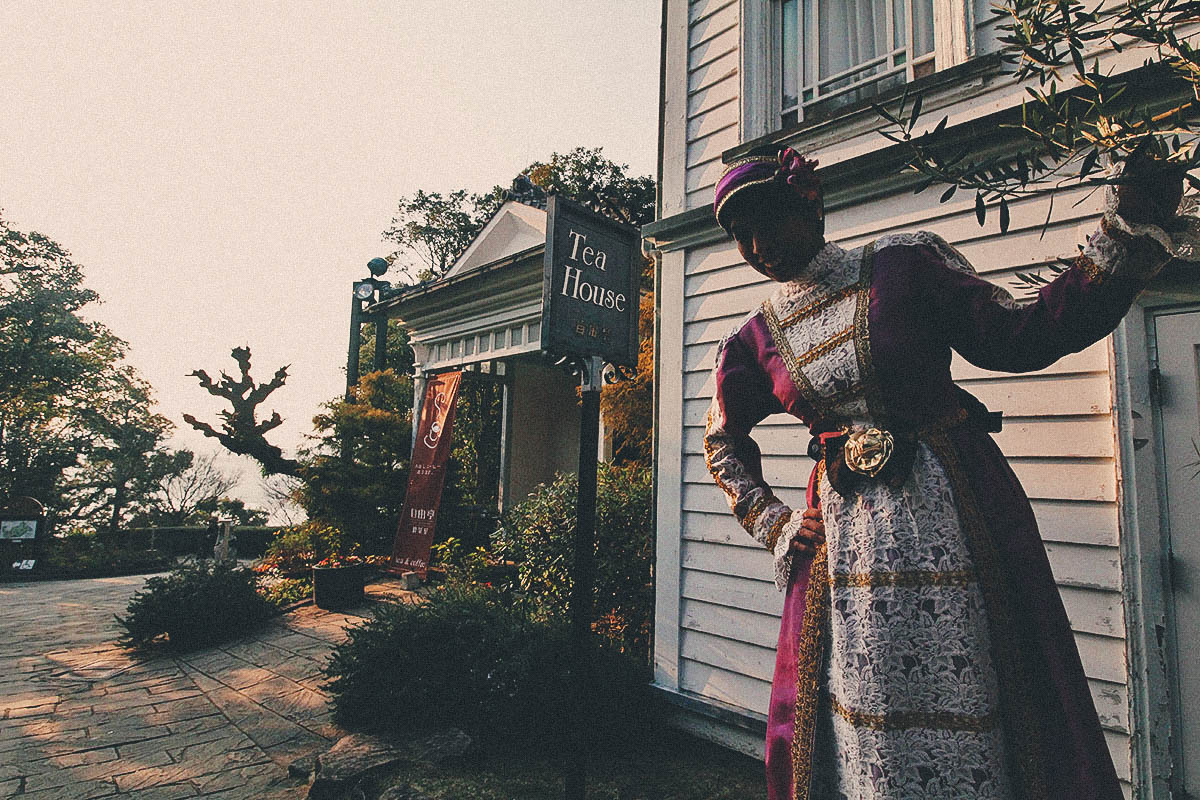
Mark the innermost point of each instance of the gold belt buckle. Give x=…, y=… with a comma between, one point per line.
x=867, y=451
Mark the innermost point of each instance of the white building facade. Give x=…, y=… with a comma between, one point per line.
x=1103, y=441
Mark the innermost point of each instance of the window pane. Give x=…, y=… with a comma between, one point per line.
x=852, y=32
x=900, y=22
x=922, y=27
x=469, y=346
x=535, y=331
x=790, y=53
x=485, y=342
x=514, y=336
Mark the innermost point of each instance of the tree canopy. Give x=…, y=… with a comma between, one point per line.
x=77, y=429
x=1077, y=116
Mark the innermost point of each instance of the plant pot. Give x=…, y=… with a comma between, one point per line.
x=338, y=587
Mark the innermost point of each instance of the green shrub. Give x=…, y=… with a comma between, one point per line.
x=285, y=591
x=294, y=550
x=473, y=657
x=539, y=536
x=199, y=604
x=80, y=554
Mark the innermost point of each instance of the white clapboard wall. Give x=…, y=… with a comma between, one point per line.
x=718, y=611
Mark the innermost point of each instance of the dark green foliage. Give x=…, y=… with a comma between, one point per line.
x=77, y=430
x=355, y=473
x=1077, y=116
x=477, y=658
x=197, y=605
x=91, y=555
x=539, y=535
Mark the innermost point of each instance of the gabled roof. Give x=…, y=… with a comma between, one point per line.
x=514, y=227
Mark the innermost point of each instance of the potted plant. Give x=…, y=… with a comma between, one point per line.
x=338, y=581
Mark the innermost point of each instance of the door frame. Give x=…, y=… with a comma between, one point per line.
x=1143, y=540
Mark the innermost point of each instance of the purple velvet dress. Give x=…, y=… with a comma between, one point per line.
x=924, y=651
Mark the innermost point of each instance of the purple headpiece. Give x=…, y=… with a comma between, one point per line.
x=789, y=169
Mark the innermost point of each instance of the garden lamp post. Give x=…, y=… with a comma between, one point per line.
x=361, y=293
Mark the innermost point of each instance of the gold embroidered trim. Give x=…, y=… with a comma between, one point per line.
x=817, y=305
x=740, y=187
x=808, y=665
x=896, y=720
x=777, y=529
x=711, y=442
x=756, y=509
x=1018, y=713
x=1090, y=268
x=910, y=578
x=789, y=360
x=841, y=337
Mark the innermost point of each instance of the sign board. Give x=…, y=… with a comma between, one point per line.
x=590, y=285
x=426, y=475
x=21, y=519
x=16, y=529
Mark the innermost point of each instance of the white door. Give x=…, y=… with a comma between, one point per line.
x=1177, y=339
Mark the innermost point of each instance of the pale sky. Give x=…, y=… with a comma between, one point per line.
x=223, y=171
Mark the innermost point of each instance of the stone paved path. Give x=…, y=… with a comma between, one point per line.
x=80, y=718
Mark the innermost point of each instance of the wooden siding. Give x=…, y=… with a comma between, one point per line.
x=712, y=92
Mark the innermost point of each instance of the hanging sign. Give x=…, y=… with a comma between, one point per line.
x=590, y=284
x=426, y=475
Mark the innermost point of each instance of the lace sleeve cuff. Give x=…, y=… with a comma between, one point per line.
x=789, y=526
x=1114, y=252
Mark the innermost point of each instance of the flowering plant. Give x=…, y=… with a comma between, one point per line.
x=339, y=560
x=351, y=560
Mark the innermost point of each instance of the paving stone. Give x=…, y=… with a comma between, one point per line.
x=299, y=705
x=213, y=748
x=254, y=777
x=168, y=792
x=65, y=781
x=79, y=791
x=274, y=686
x=345, y=763
x=85, y=718
x=175, y=773
x=285, y=753
x=303, y=767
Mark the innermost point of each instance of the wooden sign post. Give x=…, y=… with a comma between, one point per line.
x=589, y=316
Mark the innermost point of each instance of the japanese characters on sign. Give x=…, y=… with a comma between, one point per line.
x=589, y=285
x=427, y=474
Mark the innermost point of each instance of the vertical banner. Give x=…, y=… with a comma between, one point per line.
x=426, y=475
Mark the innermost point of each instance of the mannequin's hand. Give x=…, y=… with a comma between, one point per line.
x=811, y=533
x=1149, y=191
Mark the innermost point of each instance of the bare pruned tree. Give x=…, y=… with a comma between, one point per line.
x=241, y=432
x=181, y=494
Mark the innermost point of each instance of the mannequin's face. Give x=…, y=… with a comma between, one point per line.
x=774, y=238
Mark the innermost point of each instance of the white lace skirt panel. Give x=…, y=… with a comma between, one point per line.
x=909, y=699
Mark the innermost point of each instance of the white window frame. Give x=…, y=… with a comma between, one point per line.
x=761, y=94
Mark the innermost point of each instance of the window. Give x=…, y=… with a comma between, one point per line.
x=836, y=52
